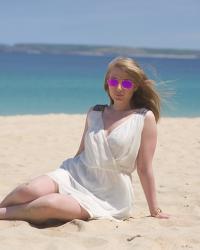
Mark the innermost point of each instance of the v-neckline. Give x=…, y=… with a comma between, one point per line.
x=115, y=127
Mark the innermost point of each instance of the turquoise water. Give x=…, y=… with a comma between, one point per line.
x=44, y=83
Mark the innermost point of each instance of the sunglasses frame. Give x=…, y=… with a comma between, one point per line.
x=132, y=84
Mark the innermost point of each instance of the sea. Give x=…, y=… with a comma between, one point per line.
x=70, y=84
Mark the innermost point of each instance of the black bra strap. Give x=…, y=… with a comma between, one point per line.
x=99, y=107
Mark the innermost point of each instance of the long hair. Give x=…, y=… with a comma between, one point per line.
x=145, y=94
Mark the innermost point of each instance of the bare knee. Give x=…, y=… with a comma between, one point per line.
x=64, y=207
x=39, y=186
x=24, y=190
x=47, y=205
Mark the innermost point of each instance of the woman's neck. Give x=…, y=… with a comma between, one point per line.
x=119, y=108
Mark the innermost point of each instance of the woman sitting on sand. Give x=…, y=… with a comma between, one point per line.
x=96, y=183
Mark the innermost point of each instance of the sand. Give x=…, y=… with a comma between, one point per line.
x=33, y=145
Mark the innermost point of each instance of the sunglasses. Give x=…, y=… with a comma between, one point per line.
x=126, y=84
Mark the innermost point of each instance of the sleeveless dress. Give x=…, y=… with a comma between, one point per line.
x=99, y=178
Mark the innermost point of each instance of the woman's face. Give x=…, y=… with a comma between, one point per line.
x=118, y=93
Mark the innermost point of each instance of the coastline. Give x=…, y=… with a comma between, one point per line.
x=35, y=144
x=97, y=50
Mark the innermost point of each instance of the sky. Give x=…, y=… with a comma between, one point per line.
x=131, y=23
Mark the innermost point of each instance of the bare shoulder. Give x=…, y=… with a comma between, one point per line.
x=149, y=117
x=150, y=125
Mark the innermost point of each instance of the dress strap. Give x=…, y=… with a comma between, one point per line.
x=99, y=107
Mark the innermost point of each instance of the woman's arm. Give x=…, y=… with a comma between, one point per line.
x=144, y=161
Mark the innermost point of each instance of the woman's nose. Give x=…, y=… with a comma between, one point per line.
x=119, y=86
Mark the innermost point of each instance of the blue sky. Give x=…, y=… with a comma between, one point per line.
x=140, y=23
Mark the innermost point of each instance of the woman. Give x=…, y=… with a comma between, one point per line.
x=96, y=183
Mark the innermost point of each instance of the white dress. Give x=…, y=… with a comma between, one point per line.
x=99, y=178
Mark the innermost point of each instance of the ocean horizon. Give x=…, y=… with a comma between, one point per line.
x=53, y=84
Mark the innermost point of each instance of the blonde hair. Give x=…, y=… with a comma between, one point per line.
x=145, y=94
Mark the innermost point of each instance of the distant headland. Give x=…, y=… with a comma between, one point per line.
x=95, y=50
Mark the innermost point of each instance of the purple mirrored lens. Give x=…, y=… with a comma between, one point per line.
x=127, y=84
x=112, y=82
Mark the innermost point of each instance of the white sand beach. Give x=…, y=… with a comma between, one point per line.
x=31, y=145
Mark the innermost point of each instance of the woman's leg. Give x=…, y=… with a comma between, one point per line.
x=51, y=206
x=29, y=191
